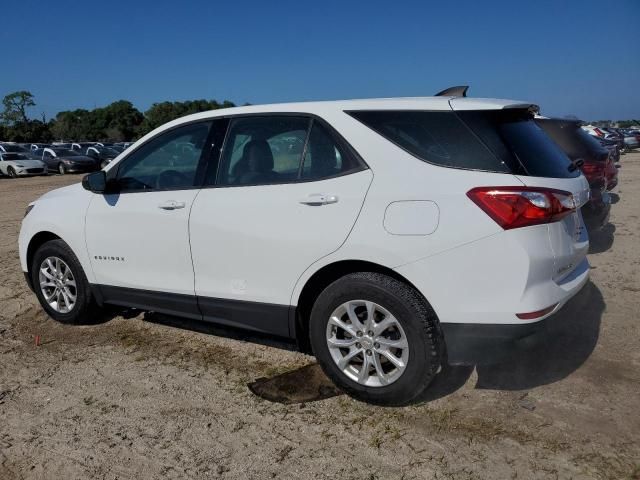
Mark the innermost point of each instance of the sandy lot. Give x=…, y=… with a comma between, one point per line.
x=142, y=398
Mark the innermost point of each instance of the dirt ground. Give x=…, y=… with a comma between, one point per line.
x=143, y=398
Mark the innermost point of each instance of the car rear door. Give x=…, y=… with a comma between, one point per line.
x=287, y=192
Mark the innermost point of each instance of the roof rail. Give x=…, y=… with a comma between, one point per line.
x=459, y=91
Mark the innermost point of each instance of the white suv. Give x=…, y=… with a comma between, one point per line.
x=384, y=236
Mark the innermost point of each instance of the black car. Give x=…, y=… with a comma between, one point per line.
x=102, y=155
x=587, y=154
x=65, y=160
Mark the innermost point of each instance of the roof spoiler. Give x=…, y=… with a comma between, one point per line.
x=459, y=91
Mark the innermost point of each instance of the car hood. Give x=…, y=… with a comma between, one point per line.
x=67, y=191
x=26, y=163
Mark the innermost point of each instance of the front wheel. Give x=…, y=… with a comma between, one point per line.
x=11, y=172
x=61, y=285
x=376, y=338
x=62, y=169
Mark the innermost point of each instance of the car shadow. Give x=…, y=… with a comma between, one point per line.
x=302, y=385
x=568, y=343
x=602, y=240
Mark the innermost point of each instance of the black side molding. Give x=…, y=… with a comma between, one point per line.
x=459, y=91
x=259, y=317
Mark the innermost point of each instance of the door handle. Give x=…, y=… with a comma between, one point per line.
x=318, y=199
x=171, y=205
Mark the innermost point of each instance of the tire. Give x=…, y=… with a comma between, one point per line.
x=85, y=310
x=418, y=325
x=61, y=169
x=11, y=172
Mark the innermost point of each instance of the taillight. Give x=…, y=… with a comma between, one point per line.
x=593, y=170
x=515, y=207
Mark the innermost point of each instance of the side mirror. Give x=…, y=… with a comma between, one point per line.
x=95, y=182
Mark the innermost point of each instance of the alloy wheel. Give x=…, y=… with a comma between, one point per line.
x=367, y=343
x=58, y=285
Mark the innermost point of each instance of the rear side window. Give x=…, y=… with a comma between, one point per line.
x=503, y=141
x=435, y=137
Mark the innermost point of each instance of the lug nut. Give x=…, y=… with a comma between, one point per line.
x=359, y=333
x=370, y=333
x=369, y=352
x=358, y=345
x=376, y=345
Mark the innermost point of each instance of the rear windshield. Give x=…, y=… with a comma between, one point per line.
x=503, y=141
x=573, y=140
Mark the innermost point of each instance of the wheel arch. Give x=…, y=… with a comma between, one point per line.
x=320, y=280
x=36, y=242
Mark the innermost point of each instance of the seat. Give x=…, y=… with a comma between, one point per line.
x=256, y=164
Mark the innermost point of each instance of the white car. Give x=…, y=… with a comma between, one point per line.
x=405, y=233
x=19, y=165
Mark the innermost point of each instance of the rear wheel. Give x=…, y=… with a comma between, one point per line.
x=62, y=169
x=61, y=285
x=11, y=172
x=376, y=338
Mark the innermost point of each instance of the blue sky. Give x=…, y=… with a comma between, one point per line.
x=571, y=57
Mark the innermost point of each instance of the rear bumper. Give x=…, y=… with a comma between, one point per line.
x=486, y=344
x=482, y=344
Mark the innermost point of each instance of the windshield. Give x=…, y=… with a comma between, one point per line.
x=14, y=156
x=14, y=148
x=66, y=153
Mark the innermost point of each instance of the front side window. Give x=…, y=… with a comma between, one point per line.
x=166, y=162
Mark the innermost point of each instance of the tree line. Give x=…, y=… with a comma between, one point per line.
x=117, y=122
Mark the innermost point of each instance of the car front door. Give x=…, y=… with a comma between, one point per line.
x=287, y=192
x=137, y=236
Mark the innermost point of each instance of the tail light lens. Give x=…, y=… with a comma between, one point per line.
x=515, y=207
x=593, y=170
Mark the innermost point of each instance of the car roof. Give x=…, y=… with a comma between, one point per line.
x=400, y=103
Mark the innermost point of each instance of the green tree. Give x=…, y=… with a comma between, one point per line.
x=15, y=107
x=29, y=131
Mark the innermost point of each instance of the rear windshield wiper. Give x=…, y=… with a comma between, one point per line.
x=576, y=164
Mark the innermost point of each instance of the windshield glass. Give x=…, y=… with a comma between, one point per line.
x=14, y=148
x=14, y=156
x=66, y=153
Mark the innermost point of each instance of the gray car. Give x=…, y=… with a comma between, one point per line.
x=64, y=160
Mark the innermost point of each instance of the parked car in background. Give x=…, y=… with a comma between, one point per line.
x=65, y=160
x=103, y=155
x=631, y=140
x=36, y=146
x=407, y=233
x=19, y=165
x=614, y=150
x=6, y=147
x=611, y=174
x=590, y=157
x=82, y=146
